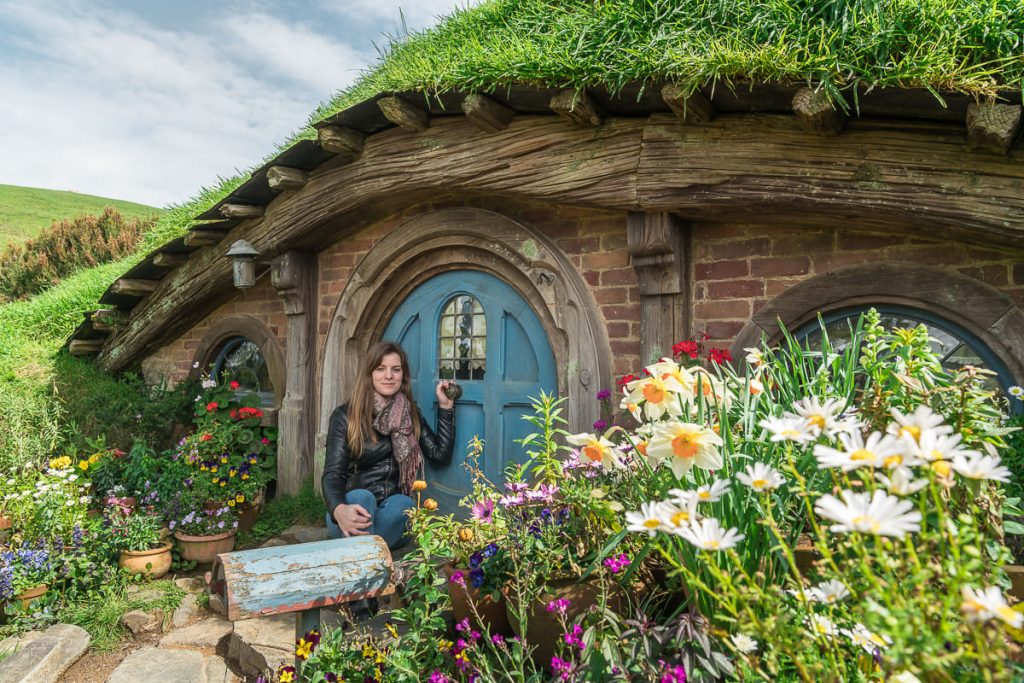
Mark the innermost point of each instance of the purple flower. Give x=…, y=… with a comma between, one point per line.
x=483, y=511
x=617, y=564
x=600, y=426
x=498, y=639
x=438, y=677
x=490, y=550
x=463, y=626
x=604, y=395
x=476, y=577
x=575, y=637
x=172, y=524
x=559, y=606
x=515, y=486
x=458, y=578
x=672, y=673
x=330, y=677
x=512, y=501
x=475, y=559
x=220, y=524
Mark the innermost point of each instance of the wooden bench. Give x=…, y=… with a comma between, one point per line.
x=301, y=578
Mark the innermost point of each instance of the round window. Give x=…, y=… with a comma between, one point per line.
x=955, y=346
x=240, y=360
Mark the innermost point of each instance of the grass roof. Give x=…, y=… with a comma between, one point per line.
x=970, y=46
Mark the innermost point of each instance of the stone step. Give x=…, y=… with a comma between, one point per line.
x=262, y=643
x=150, y=664
x=206, y=634
x=43, y=657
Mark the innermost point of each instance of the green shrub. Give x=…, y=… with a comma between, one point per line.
x=66, y=247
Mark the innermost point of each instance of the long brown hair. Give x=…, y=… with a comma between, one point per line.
x=360, y=407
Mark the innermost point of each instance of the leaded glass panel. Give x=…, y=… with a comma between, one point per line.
x=462, y=345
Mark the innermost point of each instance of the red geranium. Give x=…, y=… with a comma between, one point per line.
x=211, y=406
x=233, y=385
x=245, y=412
x=625, y=379
x=206, y=437
x=688, y=347
x=719, y=356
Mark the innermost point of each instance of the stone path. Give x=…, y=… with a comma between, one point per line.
x=199, y=645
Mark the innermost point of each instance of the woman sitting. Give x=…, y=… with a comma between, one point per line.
x=375, y=449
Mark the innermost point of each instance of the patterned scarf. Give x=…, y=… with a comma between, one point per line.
x=393, y=417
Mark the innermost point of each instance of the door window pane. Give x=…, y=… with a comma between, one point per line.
x=462, y=349
x=241, y=360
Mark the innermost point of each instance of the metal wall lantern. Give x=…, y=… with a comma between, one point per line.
x=243, y=263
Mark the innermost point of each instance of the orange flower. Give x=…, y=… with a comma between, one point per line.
x=430, y=504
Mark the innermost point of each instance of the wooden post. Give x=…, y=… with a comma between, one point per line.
x=816, y=113
x=659, y=251
x=293, y=274
x=992, y=127
x=486, y=114
x=404, y=115
x=576, y=107
x=286, y=178
x=690, y=108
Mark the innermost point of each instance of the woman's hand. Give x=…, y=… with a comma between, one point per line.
x=442, y=398
x=353, y=520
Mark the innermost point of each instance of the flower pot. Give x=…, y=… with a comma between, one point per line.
x=5, y=522
x=152, y=563
x=247, y=513
x=129, y=503
x=805, y=556
x=204, y=549
x=492, y=614
x=27, y=596
x=1016, y=574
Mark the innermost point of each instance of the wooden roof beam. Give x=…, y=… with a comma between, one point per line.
x=486, y=114
x=133, y=286
x=341, y=141
x=577, y=107
x=690, y=107
x=286, y=178
x=85, y=347
x=167, y=259
x=241, y=210
x=992, y=127
x=816, y=113
x=403, y=114
x=203, y=238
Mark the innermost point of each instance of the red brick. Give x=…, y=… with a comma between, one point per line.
x=619, y=276
x=719, y=231
x=618, y=330
x=935, y=255
x=580, y=245
x=803, y=243
x=721, y=270
x=782, y=265
x=724, y=330
x=612, y=295
x=605, y=260
x=626, y=312
x=1018, y=274
x=592, y=277
x=976, y=255
x=614, y=240
x=735, y=289
x=625, y=365
x=995, y=275
x=625, y=346
x=729, y=309
x=859, y=240
x=341, y=259
x=823, y=264
x=356, y=246
x=731, y=249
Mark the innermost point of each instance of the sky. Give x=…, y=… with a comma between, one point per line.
x=151, y=100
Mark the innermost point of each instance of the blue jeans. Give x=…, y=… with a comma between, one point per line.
x=389, y=518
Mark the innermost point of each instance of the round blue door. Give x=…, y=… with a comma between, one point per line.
x=472, y=327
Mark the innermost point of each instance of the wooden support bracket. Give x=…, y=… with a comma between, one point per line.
x=488, y=115
x=403, y=114
x=169, y=260
x=133, y=286
x=85, y=347
x=286, y=178
x=992, y=127
x=342, y=141
x=816, y=113
x=241, y=210
x=203, y=238
x=577, y=107
x=690, y=107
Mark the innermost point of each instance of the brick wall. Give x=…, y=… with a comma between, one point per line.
x=738, y=268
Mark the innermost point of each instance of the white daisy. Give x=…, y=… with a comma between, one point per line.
x=917, y=424
x=761, y=477
x=879, y=513
x=792, y=429
x=709, y=535
x=821, y=418
x=878, y=451
x=933, y=447
x=981, y=467
x=594, y=449
x=828, y=592
x=821, y=626
x=862, y=636
x=901, y=482
x=711, y=493
x=744, y=643
x=1017, y=392
x=683, y=445
x=986, y=604
x=649, y=519
x=679, y=515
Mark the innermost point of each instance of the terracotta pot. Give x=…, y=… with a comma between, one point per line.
x=26, y=597
x=247, y=514
x=5, y=522
x=205, y=549
x=493, y=615
x=544, y=630
x=152, y=563
x=1016, y=574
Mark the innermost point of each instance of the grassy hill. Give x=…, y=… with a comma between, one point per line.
x=24, y=211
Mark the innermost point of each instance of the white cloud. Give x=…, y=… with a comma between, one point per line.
x=418, y=14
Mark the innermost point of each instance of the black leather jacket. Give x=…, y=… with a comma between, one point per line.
x=376, y=468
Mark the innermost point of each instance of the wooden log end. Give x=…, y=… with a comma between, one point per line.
x=577, y=107
x=690, y=107
x=341, y=141
x=106, y=319
x=203, y=238
x=282, y=178
x=134, y=286
x=403, y=114
x=816, y=113
x=992, y=127
x=85, y=347
x=241, y=210
x=486, y=114
x=169, y=260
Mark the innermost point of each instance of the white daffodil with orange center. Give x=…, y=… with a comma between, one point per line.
x=918, y=423
x=595, y=449
x=653, y=397
x=879, y=450
x=986, y=604
x=712, y=388
x=708, y=534
x=878, y=513
x=667, y=368
x=684, y=445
